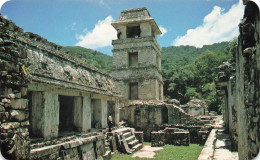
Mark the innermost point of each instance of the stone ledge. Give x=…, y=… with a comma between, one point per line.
x=48, y=150
x=208, y=149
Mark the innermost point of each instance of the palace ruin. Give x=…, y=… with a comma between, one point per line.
x=55, y=106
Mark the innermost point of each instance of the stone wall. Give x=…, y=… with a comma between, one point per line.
x=196, y=108
x=14, y=114
x=37, y=80
x=84, y=146
x=172, y=136
x=151, y=116
x=238, y=85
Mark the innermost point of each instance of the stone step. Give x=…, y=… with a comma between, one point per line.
x=138, y=146
x=127, y=134
x=133, y=143
x=129, y=139
x=107, y=155
x=107, y=149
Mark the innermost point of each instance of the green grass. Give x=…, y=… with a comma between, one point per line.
x=169, y=152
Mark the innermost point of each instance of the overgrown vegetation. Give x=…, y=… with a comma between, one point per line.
x=188, y=72
x=192, y=76
x=169, y=152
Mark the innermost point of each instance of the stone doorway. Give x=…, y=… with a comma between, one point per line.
x=66, y=113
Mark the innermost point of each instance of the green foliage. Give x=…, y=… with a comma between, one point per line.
x=194, y=79
x=169, y=152
x=173, y=56
x=102, y=61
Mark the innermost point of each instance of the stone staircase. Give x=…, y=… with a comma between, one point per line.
x=126, y=140
x=108, y=147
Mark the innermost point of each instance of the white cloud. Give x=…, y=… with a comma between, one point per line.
x=217, y=26
x=5, y=16
x=163, y=30
x=2, y=2
x=101, y=36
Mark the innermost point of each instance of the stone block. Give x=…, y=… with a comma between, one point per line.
x=19, y=115
x=10, y=125
x=19, y=104
x=18, y=95
x=11, y=96
x=25, y=123
x=2, y=108
x=4, y=116
x=139, y=136
x=158, y=139
x=23, y=91
x=5, y=100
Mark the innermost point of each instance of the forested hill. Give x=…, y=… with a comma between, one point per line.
x=174, y=56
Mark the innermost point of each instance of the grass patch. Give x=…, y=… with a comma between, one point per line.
x=169, y=152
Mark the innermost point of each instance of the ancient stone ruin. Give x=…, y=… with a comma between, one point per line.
x=56, y=106
x=238, y=86
x=52, y=105
x=137, y=56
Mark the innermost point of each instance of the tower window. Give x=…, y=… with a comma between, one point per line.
x=133, y=91
x=133, y=59
x=133, y=31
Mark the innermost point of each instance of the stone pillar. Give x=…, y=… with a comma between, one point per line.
x=96, y=113
x=104, y=113
x=37, y=112
x=86, y=113
x=117, y=112
x=78, y=113
x=123, y=32
x=51, y=115
x=45, y=114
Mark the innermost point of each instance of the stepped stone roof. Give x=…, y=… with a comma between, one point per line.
x=136, y=15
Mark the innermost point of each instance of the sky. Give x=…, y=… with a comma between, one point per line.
x=87, y=23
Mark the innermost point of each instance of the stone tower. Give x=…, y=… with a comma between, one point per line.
x=137, y=56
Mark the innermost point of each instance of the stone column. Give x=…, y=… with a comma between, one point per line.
x=51, y=115
x=86, y=113
x=78, y=113
x=117, y=112
x=45, y=114
x=104, y=113
x=97, y=113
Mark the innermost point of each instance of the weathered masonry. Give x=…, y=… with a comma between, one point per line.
x=137, y=75
x=52, y=105
x=65, y=95
x=137, y=56
x=238, y=83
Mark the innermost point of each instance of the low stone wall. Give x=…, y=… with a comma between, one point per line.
x=74, y=148
x=194, y=131
x=150, y=116
x=173, y=136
